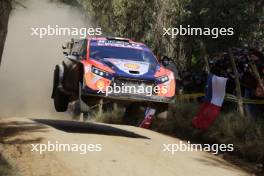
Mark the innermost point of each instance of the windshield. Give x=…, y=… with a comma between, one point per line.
x=101, y=52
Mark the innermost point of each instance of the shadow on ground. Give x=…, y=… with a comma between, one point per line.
x=86, y=127
x=5, y=167
x=9, y=131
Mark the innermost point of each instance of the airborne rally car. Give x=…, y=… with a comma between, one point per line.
x=114, y=70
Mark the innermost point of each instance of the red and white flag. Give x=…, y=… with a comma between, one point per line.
x=147, y=121
x=210, y=108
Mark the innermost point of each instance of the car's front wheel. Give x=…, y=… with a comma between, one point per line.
x=61, y=100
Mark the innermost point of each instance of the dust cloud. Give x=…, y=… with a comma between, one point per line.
x=27, y=68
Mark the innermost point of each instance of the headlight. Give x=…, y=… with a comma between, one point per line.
x=99, y=72
x=163, y=79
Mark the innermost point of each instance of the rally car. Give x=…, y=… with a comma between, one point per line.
x=95, y=67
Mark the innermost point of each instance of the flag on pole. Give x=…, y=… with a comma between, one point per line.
x=210, y=108
x=147, y=121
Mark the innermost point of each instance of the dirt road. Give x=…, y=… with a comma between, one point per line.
x=125, y=150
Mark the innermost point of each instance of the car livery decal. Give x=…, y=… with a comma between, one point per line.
x=118, y=44
x=130, y=65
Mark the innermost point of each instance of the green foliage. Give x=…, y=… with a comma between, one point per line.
x=241, y=15
x=124, y=18
x=229, y=128
x=143, y=20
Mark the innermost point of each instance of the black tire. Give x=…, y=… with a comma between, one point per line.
x=133, y=115
x=61, y=100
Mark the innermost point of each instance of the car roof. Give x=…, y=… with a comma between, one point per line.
x=118, y=39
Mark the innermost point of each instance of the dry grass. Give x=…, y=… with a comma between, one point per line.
x=113, y=117
x=229, y=128
x=247, y=136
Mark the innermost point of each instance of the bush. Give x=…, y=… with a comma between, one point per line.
x=229, y=128
x=113, y=117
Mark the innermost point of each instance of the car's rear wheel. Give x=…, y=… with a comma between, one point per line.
x=61, y=100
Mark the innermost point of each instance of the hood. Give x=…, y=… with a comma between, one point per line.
x=131, y=68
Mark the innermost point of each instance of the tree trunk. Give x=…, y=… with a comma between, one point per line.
x=257, y=76
x=205, y=56
x=238, y=88
x=5, y=8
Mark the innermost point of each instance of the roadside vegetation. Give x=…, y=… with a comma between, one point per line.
x=144, y=20
x=229, y=128
x=114, y=116
x=5, y=9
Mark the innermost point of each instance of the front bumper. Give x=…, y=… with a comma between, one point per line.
x=128, y=97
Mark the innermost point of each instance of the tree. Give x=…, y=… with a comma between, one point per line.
x=5, y=9
x=241, y=15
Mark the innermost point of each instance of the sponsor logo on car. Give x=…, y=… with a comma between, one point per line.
x=132, y=66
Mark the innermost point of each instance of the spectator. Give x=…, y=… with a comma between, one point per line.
x=251, y=85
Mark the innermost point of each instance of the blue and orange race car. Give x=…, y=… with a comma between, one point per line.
x=114, y=70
